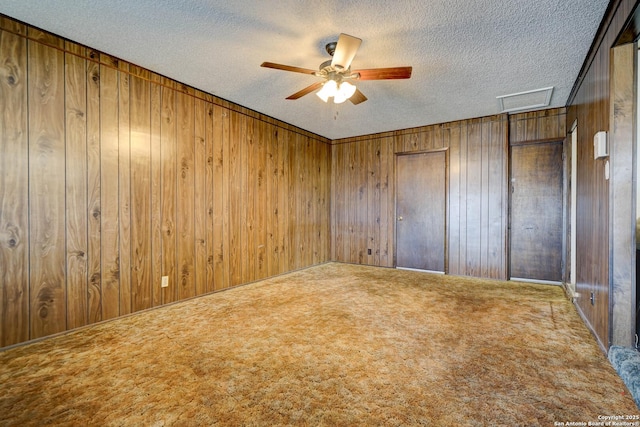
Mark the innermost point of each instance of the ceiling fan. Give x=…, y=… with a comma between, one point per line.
x=337, y=75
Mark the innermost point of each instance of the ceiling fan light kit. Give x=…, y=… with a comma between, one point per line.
x=338, y=69
x=340, y=92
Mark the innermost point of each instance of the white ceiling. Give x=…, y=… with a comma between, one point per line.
x=464, y=53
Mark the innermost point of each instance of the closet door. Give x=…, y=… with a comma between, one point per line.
x=420, y=211
x=536, y=211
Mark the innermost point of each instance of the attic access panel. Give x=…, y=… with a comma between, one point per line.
x=528, y=100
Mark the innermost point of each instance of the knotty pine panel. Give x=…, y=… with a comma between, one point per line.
x=169, y=176
x=114, y=177
x=185, y=198
x=156, y=194
x=235, y=187
x=260, y=199
x=128, y=141
x=271, y=191
x=249, y=244
x=138, y=293
x=76, y=189
x=201, y=200
x=283, y=189
x=363, y=197
x=94, y=285
x=47, y=265
x=110, y=202
x=220, y=189
x=14, y=190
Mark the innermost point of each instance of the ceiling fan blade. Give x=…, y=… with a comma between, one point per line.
x=384, y=73
x=306, y=90
x=357, y=97
x=345, y=50
x=288, y=68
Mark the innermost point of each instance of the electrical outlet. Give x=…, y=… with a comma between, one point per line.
x=165, y=282
x=368, y=251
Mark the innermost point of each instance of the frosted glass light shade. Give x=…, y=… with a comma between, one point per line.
x=345, y=91
x=339, y=93
x=329, y=89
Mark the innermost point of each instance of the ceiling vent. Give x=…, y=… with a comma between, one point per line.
x=528, y=100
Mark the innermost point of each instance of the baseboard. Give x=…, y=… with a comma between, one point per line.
x=591, y=329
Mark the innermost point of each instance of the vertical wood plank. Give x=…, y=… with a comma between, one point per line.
x=352, y=203
x=474, y=198
x=249, y=179
x=463, y=221
x=220, y=272
x=271, y=171
x=46, y=190
x=325, y=176
x=376, y=206
x=168, y=136
x=333, y=149
x=125, y=99
x=304, y=200
x=485, y=139
x=498, y=206
x=261, y=195
x=185, y=196
x=209, y=192
x=282, y=209
x=225, y=197
x=317, y=229
x=76, y=189
x=156, y=194
x=387, y=208
x=338, y=204
x=235, y=192
x=359, y=240
x=14, y=191
x=140, y=167
x=200, y=190
x=109, y=197
x=293, y=200
x=94, y=266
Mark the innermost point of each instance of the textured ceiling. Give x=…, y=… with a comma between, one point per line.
x=464, y=53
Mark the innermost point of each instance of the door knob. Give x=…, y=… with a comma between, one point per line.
x=399, y=218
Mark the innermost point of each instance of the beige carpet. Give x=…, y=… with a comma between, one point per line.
x=335, y=344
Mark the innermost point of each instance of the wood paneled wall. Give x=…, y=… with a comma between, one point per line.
x=113, y=177
x=363, y=197
x=538, y=126
x=590, y=104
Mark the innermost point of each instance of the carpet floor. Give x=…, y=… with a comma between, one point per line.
x=334, y=344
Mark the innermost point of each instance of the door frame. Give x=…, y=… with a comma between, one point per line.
x=446, y=203
x=562, y=142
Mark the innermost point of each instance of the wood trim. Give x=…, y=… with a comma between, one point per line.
x=537, y=141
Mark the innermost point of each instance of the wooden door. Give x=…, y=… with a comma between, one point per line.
x=420, y=211
x=536, y=211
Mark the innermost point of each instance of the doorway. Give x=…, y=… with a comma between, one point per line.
x=536, y=211
x=421, y=211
